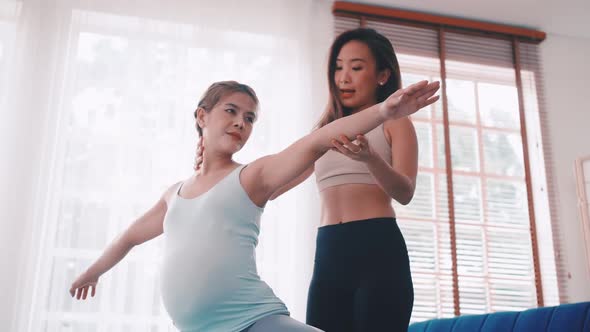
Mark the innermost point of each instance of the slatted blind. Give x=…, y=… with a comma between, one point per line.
x=582, y=170
x=552, y=268
x=469, y=229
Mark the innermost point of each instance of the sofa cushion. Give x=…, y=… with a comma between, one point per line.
x=566, y=317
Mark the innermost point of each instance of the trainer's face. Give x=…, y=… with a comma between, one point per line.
x=356, y=76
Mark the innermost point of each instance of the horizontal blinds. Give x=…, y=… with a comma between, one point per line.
x=553, y=269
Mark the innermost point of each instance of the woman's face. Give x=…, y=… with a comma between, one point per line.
x=227, y=127
x=356, y=76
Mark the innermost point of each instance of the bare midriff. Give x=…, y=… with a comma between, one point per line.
x=352, y=202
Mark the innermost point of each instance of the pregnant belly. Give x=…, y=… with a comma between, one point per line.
x=194, y=284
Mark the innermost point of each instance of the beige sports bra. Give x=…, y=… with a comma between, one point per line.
x=334, y=168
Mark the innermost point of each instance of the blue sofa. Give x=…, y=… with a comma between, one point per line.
x=573, y=317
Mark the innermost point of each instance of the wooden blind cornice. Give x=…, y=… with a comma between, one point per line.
x=342, y=8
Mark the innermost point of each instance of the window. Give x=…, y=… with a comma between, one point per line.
x=125, y=132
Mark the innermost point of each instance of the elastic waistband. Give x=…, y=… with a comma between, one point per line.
x=360, y=240
x=359, y=232
x=371, y=222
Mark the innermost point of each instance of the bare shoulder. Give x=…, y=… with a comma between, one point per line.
x=253, y=171
x=252, y=181
x=170, y=192
x=399, y=129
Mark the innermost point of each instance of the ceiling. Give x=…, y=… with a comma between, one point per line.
x=567, y=17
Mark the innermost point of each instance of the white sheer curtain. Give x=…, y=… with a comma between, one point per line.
x=97, y=99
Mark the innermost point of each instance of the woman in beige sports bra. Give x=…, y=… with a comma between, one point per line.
x=361, y=279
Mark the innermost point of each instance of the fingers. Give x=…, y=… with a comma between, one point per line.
x=198, y=162
x=421, y=91
x=423, y=88
x=432, y=87
x=346, y=142
x=81, y=292
x=340, y=148
x=352, y=147
x=84, y=292
x=415, y=87
x=428, y=90
x=431, y=101
x=200, y=150
x=200, y=146
x=363, y=142
x=348, y=148
x=425, y=98
x=422, y=98
x=74, y=288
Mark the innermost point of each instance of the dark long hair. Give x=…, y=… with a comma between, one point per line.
x=385, y=58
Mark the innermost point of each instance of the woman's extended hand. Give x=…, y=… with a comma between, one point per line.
x=409, y=100
x=358, y=150
x=84, y=283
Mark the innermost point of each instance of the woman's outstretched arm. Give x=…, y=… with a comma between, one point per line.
x=145, y=228
x=274, y=171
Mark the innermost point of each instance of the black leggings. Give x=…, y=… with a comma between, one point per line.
x=361, y=279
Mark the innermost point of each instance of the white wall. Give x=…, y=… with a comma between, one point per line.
x=567, y=75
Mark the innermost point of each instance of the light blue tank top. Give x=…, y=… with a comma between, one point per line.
x=209, y=277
